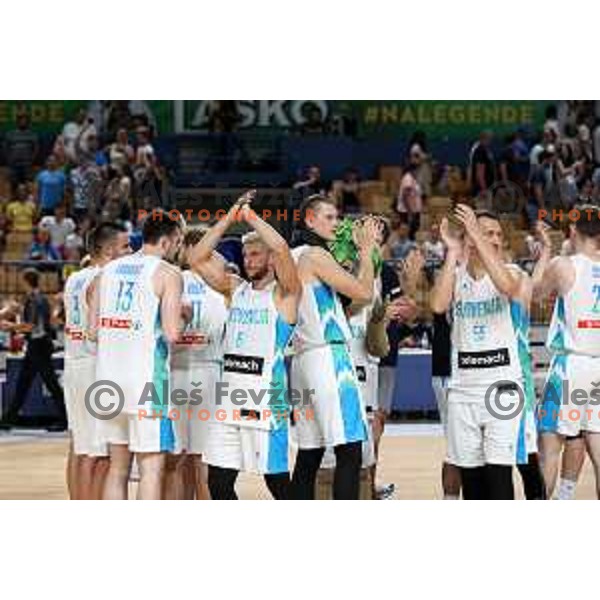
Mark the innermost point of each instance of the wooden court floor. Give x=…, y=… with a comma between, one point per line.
x=33, y=469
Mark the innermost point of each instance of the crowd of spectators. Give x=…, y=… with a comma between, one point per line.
x=92, y=172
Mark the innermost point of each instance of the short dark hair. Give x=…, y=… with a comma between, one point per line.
x=158, y=224
x=32, y=277
x=311, y=204
x=484, y=213
x=588, y=225
x=102, y=235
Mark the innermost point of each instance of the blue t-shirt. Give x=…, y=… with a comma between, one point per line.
x=51, y=188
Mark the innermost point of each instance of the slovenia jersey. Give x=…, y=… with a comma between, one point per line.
x=132, y=349
x=575, y=325
x=202, y=338
x=256, y=337
x=321, y=318
x=489, y=336
x=76, y=314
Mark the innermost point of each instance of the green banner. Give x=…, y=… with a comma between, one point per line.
x=439, y=119
x=49, y=116
x=445, y=118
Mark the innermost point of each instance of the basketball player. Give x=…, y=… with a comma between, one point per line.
x=251, y=435
x=322, y=361
x=489, y=301
x=136, y=307
x=197, y=357
x=88, y=455
x=574, y=338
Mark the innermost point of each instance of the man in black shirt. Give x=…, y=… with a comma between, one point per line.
x=482, y=165
x=440, y=373
x=400, y=310
x=38, y=355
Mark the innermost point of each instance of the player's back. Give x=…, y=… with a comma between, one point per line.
x=202, y=338
x=132, y=349
x=575, y=325
x=77, y=344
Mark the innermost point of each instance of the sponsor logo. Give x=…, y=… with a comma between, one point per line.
x=115, y=323
x=487, y=359
x=247, y=365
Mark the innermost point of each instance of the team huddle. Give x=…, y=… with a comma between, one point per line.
x=220, y=374
x=174, y=319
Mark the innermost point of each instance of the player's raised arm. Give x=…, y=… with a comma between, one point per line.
x=204, y=260
x=505, y=281
x=550, y=274
x=443, y=290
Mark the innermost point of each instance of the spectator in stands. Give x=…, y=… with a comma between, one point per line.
x=71, y=132
x=548, y=138
x=223, y=116
x=59, y=226
x=482, y=165
x=116, y=211
x=41, y=248
x=38, y=355
x=120, y=152
x=543, y=185
x=50, y=186
x=410, y=195
x=433, y=248
x=417, y=154
x=514, y=161
x=313, y=121
x=21, y=148
x=586, y=191
x=145, y=160
x=552, y=122
x=21, y=212
x=88, y=187
x=312, y=184
x=347, y=192
x=87, y=147
x=73, y=250
x=400, y=244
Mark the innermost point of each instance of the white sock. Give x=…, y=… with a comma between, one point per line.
x=566, y=489
x=451, y=497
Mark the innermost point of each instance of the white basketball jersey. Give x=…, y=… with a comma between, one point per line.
x=202, y=338
x=76, y=314
x=489, y=334
x=575, y=325
x=321, y=318
x=132, y=349
x=358, y=323
x=256, y=337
